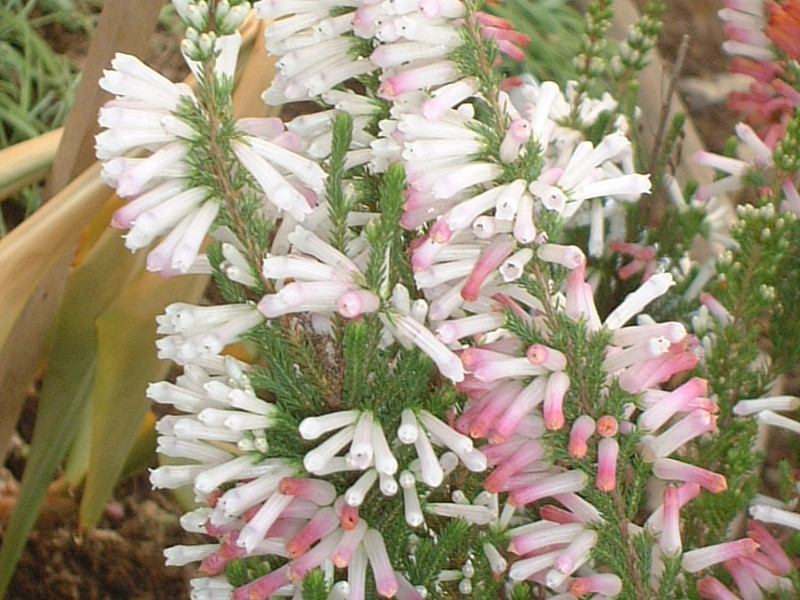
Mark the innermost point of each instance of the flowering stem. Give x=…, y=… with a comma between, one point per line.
x=220, y=160
x=491, y=89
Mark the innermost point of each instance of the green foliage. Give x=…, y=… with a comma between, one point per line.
x=475, y=56
x=387, y=261
x=314, y=586
x=38, y=83
x=339, y=206
x=293, y=373
x=670, y=585
x=242, y=571
x=448, y=551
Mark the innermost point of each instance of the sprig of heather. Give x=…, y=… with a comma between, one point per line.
x=439, y=406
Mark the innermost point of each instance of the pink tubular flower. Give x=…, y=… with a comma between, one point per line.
x=606, y=584
x=780, y=563
x=703, y=558
x=607, y=451
x=580, y=299
x=686, y=493
x=654, y=371
x=349, y=542
x=522, y=404
x=318, y=491
x=679, y=400
x=670, y=540
x=576, y=553
x=548, y=358
x=583, y=510
x=452, y=331
x=644, y=259
x=570, y=257
x=385, y=581
x=670, y=469
x=557, y=385
x=518, y=133
x=527, y=454
x=569, y=481
x=356, y=303
x=695, y=424
x=713, y=589
x=432, y=75
x=324, y=522
x=582, y=429
x=607, y=426
x=314, y=557
x=263, y=587
x=530, y=538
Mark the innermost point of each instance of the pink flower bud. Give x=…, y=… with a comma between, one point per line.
x=343, y=553
x=607, y=451
x=607, y=426
x=582, y=429
x=518, y=134
x=557, y=385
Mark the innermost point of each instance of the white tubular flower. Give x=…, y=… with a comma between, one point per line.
x=324, y=280
x=194, y=331
x=162, y=202
x=315, y=50
x=278, y=190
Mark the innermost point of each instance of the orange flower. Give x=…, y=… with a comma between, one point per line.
x=784, y=26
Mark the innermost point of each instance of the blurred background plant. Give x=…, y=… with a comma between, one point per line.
x=38, y=78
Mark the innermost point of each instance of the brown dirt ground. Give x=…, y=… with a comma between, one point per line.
x=122, y=559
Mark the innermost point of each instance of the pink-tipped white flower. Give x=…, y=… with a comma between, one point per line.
x=607, y=452
x=561, y=483
x=582, y=429
x=670, y=540
x=606, y=584
x=385, y=580
x=670, y=469
x=703, y=558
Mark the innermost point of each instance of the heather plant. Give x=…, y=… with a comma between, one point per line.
x=463, y=368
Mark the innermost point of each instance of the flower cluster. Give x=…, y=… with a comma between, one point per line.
x=451, y=390
x=762, y=36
